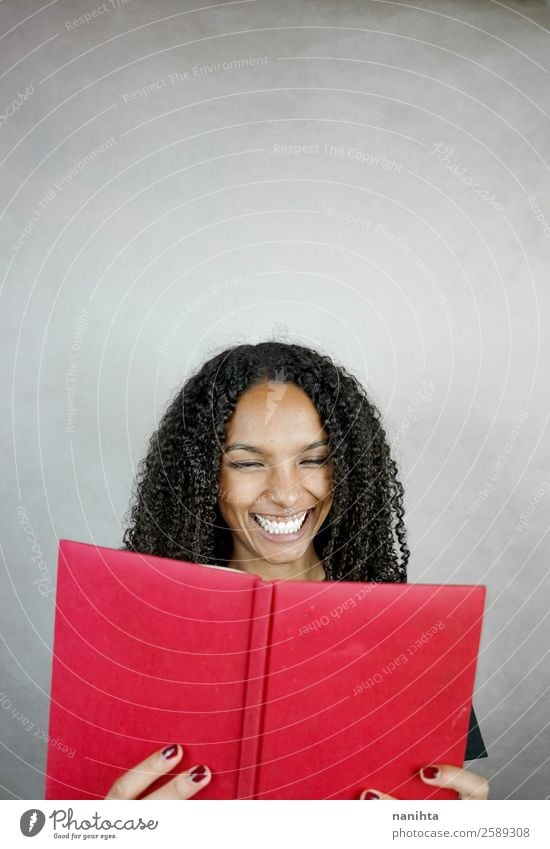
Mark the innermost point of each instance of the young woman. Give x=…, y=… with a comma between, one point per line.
x=273, y=460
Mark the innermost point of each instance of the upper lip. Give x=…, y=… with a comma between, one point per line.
x=283, y=515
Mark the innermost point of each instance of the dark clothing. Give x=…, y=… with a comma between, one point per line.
x=475, y=747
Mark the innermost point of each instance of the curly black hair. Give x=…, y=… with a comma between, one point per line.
x=174, y=511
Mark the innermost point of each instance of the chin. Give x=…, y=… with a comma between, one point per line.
x=283, y=557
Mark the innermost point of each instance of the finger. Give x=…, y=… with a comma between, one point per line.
x=469, y=785
x=136, y=780
x=374, y=794
x=184, y=785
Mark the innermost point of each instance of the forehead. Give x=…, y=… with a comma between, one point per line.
x=272, y=411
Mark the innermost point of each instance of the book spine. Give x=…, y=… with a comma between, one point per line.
x=258, y=650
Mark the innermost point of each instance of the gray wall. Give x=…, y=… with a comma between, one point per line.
x=367, y=177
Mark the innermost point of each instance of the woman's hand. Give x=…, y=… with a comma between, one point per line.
x=469, y=785
x=133, y=783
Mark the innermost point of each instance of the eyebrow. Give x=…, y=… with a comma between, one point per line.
x=241, y=446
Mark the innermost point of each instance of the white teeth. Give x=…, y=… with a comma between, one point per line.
x=289, y=527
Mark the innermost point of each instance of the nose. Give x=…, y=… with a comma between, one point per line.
x=284, y=486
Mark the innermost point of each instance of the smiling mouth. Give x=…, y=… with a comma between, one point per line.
x=277, y=526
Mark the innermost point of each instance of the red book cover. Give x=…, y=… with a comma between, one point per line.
x=285, y=689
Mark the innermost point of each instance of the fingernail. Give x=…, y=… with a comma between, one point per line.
x=198, y=773
x=370, y=794
x=430, y=772
x=170, y=751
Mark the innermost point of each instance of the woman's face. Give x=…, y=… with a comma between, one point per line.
x=275, y=456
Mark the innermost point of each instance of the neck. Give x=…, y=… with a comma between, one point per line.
x=313, y=571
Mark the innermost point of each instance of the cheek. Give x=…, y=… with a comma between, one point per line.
x=235, y=492
x=321, y=483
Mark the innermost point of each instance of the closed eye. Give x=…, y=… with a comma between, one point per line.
x=252, y=464
x=249, y=465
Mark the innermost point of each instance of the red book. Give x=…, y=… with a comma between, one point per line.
x=285, y=689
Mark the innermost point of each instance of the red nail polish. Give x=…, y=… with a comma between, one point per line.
x=198, y=773
x=170, y=752
x=430, y=772
x=370, y=795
